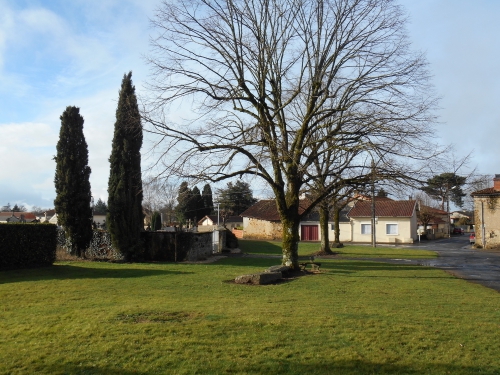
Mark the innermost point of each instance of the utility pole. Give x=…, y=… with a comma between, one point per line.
x=374, y=238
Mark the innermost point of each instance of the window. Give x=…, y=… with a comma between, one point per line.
x=391, y=229
x=366, y=229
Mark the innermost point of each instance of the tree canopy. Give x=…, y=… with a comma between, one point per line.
x=100, y=208
x=445, y=185
x=278, y=86
x=72, y=183
x=125, y=218
x=236, y=198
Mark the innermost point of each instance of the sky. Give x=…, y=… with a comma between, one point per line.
x=56, y=53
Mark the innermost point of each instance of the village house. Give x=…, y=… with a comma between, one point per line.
x=395, y=221
x=487, y=215
x=209, y=222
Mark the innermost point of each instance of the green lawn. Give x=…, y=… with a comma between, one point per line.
x=356, y=317
x=348, y=251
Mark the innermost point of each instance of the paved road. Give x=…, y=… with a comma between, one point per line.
x=459, y=258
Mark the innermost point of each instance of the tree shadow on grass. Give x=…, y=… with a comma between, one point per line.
x=289, y=366
x=363, y=366
x=69, y=272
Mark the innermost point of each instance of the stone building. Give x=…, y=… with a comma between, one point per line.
x=487, y=215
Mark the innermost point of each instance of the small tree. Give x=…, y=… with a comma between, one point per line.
x=72, y=184
x=100, y=207
x=125, y=218
x=156, y=221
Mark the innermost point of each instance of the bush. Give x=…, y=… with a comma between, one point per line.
x=231, y=240
x=27, y=245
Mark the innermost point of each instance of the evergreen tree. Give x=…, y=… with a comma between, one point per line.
x=208, y=203
x=382, y=193
x=197, y=205
x=446, y=186
x=183, y=202
x=100, y=207
x=72, y=183
x=156, y=221
x=17, y=208
x=236, y=198
x=125, y=218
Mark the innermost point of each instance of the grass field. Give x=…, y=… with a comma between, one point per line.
x=349, y=251
x=356, y=317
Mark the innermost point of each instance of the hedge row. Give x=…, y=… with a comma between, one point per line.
x=27, y=245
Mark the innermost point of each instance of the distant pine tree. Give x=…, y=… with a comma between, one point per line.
x=125, y=218
x=73, y=195
x=100, y=207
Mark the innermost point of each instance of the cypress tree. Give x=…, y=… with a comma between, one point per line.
x=183, y=202
x=72, y=184
x=208, y=203
x=197, y=207
x=125, y=218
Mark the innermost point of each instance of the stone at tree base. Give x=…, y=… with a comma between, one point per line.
x=258, y=278
x=279, y=268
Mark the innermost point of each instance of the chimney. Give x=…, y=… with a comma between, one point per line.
x=496, y=182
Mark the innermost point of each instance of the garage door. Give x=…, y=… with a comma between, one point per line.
x=309, y=233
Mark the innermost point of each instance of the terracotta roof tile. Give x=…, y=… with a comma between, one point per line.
x=488, y=191
x=384, y=209
x=267, y=210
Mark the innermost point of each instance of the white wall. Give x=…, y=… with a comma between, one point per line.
x=407, y=230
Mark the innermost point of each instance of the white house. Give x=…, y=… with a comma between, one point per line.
x=395, y=221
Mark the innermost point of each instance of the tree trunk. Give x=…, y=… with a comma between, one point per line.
x=291, y=241
x=323, y=223
x=290, y=221
x=336, y=219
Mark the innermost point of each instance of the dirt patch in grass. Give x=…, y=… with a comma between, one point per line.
x=157, y=317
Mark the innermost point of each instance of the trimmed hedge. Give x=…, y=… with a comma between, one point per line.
x=27, y=245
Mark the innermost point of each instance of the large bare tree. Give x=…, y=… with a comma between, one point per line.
x=266, y=83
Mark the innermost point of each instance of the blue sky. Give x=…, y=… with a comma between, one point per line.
x=75, y=52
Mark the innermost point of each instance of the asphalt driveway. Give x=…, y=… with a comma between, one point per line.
x=458, y=257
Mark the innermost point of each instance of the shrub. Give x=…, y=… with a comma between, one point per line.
x=27, y=245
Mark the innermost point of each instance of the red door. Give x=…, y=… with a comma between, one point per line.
x=309, y=233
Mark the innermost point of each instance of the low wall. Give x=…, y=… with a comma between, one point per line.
x=238, y=233
x=176, y=246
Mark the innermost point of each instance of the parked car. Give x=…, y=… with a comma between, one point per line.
x=472, y=238
x=457, y=230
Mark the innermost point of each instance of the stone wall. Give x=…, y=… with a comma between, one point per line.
x=176, y=246
x=489, y=209
x=262, y=229
x=201, y=246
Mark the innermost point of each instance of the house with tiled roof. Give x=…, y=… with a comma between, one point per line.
x=395, y=221
x=262, y=220
x=209, y=222
x=17, y=217
x=436, y=222
x=310, y=226
x=487, y=215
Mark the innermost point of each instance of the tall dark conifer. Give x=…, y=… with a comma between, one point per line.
x=184, y=202
x=73, y=195
x=208, y=202
x=197, y=207
x=125, y=217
